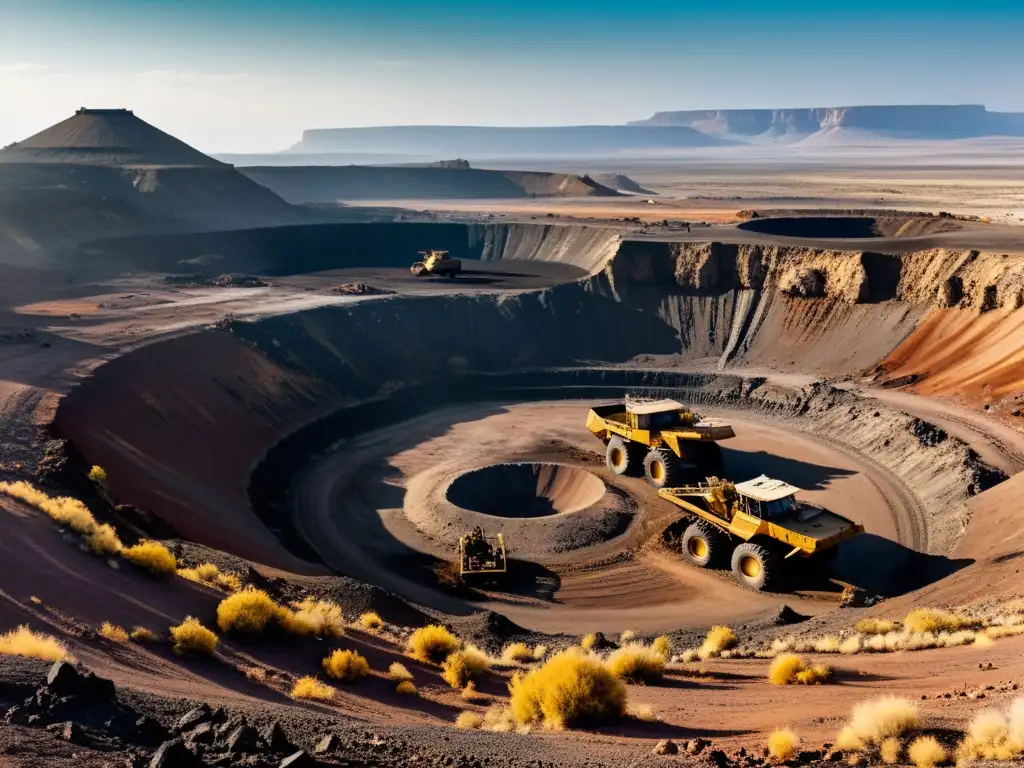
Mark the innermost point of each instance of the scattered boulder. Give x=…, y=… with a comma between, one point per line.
x=328, y=743
x=696, y=746
x=276, y=739
x=73, y=732
x=666, y=747
x=173, y=754
x=194, y=717
x=298, y=760
x=243, y=740
x=64, y=679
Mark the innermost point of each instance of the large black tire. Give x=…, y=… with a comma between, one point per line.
x=755, y=566
x=623, y=457
x=704, y=545
x=663, y=469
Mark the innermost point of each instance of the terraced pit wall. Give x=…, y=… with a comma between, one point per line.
x=180, y=425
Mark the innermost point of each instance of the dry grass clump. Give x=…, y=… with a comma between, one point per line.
x=782, y=744
x=399, y=673
x=876, y=720
x=827, y=644
x=192, y=637
x=461, y=667
x=68, y=512
x=627, y=637
x=143, y=635
x=790, y=669
x=255, y=673
x=889, y=750
x=212, y=576
x=309, y=687
x=347, y=666
x=98, y=475
x=539, y=652
x=113, y=633
x=689, y=656
x=662, y=646
x=875, y=626
x=588, y=641
x=432, y=644
x=568, y=689
x=370, y=621
x=848, y=741
x=926, y=752
x=934, y=620
x=151, y=555
x=406, y=688
x=517, y=653
x=994, y=735
x=636, y=663
x=320, y=618
x=719, y=639
x=34, y=645
x=469, y=721
x=248, y=610
x=470, y=693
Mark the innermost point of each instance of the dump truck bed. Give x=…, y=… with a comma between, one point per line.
x=605, y=419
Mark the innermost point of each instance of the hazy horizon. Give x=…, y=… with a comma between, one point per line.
x=234, y=76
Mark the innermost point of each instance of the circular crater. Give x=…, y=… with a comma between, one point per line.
x=523, y=490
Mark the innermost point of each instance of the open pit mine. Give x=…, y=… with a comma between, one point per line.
x=247, y=473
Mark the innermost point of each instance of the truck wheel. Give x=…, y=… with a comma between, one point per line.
x=704, y=545
x=662, y=468
x=755, y=566
x=622, y=457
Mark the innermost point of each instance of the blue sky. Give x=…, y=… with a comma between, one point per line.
x=249, y=75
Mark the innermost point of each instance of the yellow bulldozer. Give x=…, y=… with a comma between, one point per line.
x=660, y=439
x=436, y=263
x=482, y=556
x=757, y=526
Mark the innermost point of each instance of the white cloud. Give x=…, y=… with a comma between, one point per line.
x=22, y=68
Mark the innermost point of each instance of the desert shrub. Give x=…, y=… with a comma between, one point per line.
x=851, y=644
x=588, y=641
x=934, y=620
x=398, y=672
x=569, y=688
x=790, y=669
x=406, y=687
x=461, y=667
x=151, y=555
x=320, y=618
x=662, y=646
x=432, y=644
x=143, y=635
x=994, y=735
x=627, y=637
x=690, y=655
x=103, y=540
x=636, y=663
x=499, y=718
x=347, y=666
x=212, y=576
x=875, y=626
x=889, y=750
x=848, y=741
x=113, y=633
x=98, y=475
x=192, y=637
x=517, y=652
x=248, y=611
x=827, y=644
x=254, y=673
x=926, y=752
x=370, y=621
x=719, y=639
x=876, y=720
x=309, y=687
x=34, y=645
x=470, y=693
x=468, y=721
x=782, y=744
x=539, y=652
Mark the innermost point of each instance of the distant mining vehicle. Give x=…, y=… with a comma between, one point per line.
x=436, y=263
x=762, y=524
x=660, y=439
x=482, y=556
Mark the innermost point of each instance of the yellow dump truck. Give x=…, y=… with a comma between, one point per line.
x=757, y=526
x=660, y=439
x=481, y=555
x=436, y=263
